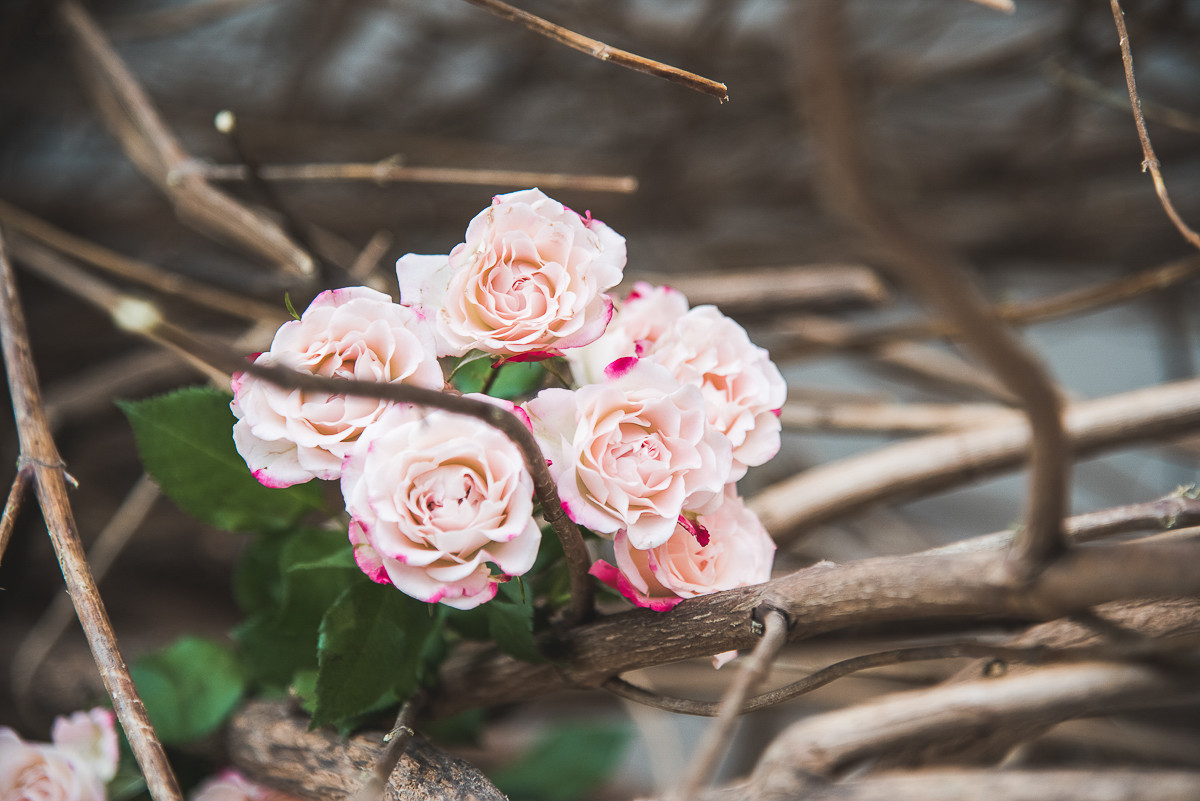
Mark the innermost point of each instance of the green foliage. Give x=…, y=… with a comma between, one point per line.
x=312, y=570
x=186, y=444
x=189, y=688
x=514, y=379
x=373, y=651
x=510, y=622
x=566, y=764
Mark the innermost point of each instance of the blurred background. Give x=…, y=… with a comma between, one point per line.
x=1007, y=137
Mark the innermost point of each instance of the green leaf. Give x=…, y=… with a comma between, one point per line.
x=186, y=443
x=568, y=762
x=189, y=688
x=515, y=379
x=314, y=568
x=363, y=642
x=287, y=302
x=377, y=646
x=258, y=577
x=510, y=622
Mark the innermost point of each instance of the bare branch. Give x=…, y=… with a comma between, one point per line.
x=109, y=543
x=602, y=51
x=956, y=721
x=1149, y=159
x=395, y=743
x=1007, y=785
x=40, y=455
x=942, y=369
x=151, y=145
x=716, y=738
x=275, y=746
x=927, y=464
x=1052, y=307
x=889, y=417
x=778, y=288
x=937, y=277
x=12, y=507
x=391, y=170
x=140, y=272
x=822, y=599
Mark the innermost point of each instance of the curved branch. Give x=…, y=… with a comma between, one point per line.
x=930, y=725
x=927, y=464
x=938, y=279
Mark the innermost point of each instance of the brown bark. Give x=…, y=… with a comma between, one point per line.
x=274, y=746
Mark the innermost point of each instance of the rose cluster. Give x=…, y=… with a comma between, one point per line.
x=670, y=405
x=75, y=766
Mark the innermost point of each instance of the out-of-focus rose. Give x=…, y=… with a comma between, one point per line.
x=434, y=500
x=91, y=739
x=725, y=548
x=631, y=453
x=43, y=772
x=529, y=280
x=288, y=436
x=231, y=785
x=743, y=389
x=647, y=313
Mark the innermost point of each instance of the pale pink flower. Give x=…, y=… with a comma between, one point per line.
x=436, y=499
x=743, y=389
x=647, y=313
x=722, y=549
x=529, y=281
x=288, y=436
x=631, y=453
x=90, y=738
x=231, y=785
x=74, y=768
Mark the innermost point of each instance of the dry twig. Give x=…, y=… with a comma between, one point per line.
x=1149, y=159
x=154, y=149
x=112, y=539
x=136, y=270
x=40, y=456
x=1054, y=307
x=391, y=170
x=716, y=737
x=925, y=464
x=937, y=278
x=602, y=51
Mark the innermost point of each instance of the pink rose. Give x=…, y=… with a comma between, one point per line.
x=743, y=389
x=91, y=739
x=231, y=785
x=289, y=436
x=647, y=313
x=720, y=550
x=435, y=500
x=75, y=768
x=529, y=280
x=631, y=453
